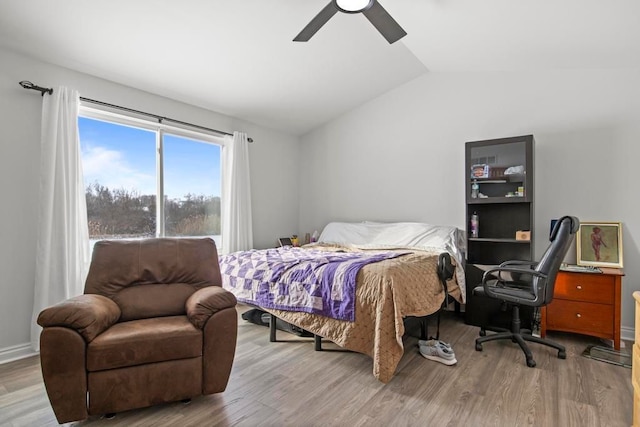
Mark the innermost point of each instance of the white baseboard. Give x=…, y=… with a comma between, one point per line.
x=16, y=352
x=627, y=333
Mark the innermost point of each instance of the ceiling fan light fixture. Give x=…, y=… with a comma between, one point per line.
x=371, y=9
x=353, y=6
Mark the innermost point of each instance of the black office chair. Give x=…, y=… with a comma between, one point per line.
x=530, y=284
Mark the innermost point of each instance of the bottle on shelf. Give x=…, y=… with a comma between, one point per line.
x=475, y=224
x=475, y=189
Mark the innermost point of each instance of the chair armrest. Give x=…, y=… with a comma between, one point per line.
x=518, y=262
x=88, y=314
x=502, y=283
x=205, y=302
x=512, y=270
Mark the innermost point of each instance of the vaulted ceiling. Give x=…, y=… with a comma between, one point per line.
x=237, y=56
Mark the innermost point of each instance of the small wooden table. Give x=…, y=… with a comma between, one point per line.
x=585, y=303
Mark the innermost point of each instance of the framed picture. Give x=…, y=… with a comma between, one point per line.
x=285, y=241
x=600, y=244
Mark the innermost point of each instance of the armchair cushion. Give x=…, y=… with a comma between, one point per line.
x=144, y=341
x=89, y=315
x=117, y=264
x=152, y=300
x=152, y=277
x=205, y=302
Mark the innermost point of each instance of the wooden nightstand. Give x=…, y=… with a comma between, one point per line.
x=585, y=303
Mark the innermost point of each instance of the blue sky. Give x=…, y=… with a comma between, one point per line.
x=118, y=156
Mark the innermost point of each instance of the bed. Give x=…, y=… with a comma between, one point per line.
x=398, y=279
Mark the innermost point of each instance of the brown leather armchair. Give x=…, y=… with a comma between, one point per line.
x=154, y=325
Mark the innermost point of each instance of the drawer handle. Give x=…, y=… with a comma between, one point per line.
x=579, y=287
x=578, y=315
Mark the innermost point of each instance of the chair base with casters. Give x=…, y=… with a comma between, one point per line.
x=519, y=336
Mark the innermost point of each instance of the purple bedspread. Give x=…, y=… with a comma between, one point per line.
x=295, y=279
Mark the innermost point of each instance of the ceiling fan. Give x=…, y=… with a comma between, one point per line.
x=371, y=9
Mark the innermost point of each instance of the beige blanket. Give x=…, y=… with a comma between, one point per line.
x=387, y=291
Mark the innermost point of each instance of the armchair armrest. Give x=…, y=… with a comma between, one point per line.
x=88, y=314
x=205, y=302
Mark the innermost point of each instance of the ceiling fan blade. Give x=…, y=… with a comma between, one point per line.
x=384, y=22
x=316, y=23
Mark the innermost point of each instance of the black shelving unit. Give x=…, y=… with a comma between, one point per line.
x=502, y=169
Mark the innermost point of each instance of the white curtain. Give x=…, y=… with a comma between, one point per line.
x=237, y=231
x=62, y=253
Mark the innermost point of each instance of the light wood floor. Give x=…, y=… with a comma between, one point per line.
x=289, y=384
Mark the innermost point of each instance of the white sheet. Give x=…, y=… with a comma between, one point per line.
x=411, y=235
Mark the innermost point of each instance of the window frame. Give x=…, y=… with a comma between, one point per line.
x=111, y=115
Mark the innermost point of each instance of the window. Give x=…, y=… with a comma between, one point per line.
x=145, y=179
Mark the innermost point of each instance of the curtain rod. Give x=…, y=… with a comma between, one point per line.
x=28, y=85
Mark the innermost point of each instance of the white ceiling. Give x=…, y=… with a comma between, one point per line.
x=236, y=56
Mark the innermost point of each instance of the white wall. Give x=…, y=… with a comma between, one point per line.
x=400, y=157
x=274, y=173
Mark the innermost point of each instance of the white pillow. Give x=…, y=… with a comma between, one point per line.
x=373, y=235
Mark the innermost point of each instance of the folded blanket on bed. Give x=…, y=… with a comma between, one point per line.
x=296, y=279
